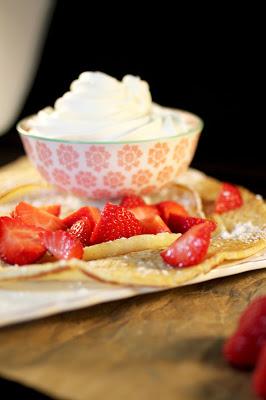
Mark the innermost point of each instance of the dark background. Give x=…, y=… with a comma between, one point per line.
x=207, y=61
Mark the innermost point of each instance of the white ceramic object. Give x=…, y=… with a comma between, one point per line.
x=107, y=170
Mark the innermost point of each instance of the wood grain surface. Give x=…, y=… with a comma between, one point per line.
x=160, y=346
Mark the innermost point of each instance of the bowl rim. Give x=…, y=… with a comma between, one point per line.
x=195, y=130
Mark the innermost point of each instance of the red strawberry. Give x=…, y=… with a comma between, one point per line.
x=19, y=243
x=82, y=230
x=228, y=199
x=170, y=207
x=190, y=248
x=144, y=212
x=33, y=216
x=132, y=201
x=62, y=245
x=181, y=224
x=154, y=225
x=242, y=349
x=54, y=209
x=259, y=376
x=115, y=222
x=92, y=213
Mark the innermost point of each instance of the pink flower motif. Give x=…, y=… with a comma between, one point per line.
x=128, y=156
x=181, y=149
x=148, y=190
x=43, y=171
x=125, y=192
x=114, y=179
x=97, y=158
x=182, y=167
x=28, y=147
x=61, y=178
x=101, y=194
x=67, y=156
x=44, y=153
x=79, y=192
x=86, y=179
x=142, y=177
x=158, y=154
x=165, y=174
x=193, y=144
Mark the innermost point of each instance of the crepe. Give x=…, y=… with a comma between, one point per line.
x=240, y=233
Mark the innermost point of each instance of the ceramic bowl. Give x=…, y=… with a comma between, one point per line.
x=106, y=170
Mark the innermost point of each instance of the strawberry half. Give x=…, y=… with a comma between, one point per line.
x=144, y=212
x=166, y=208
x=82, y=230
x=243, y=347
x=34, y=216
x=154, y=225
x=115, y=222
x=19, y=243
x=181, y=224
x=54, y=209
x=92, y=213
x=191, y=248
x=132, y=201
x=228, y=199
x=62, y=245
x=259, y=376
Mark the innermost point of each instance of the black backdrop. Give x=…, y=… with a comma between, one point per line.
x=206, y=61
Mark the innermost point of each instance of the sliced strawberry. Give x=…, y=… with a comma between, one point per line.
x=82, y=230
x=115, y=222
x=19, y=243
x=154, y=225
x=228, y=199
x=62, y=245
x=92, y=213
x=259, y=376
x=190, y=248
x=41, y=219
x=144, y=212
x=54, y=209
x=181, y=224
x=166, y=208
x=243, y=347
x=132, y=201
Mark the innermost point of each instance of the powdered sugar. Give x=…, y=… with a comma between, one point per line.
x=245, y=232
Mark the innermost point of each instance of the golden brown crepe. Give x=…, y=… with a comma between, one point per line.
x=240, y=233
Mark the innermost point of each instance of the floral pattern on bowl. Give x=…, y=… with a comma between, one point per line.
x=109, y=170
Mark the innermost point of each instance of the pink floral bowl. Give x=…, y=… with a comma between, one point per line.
x=107, y=170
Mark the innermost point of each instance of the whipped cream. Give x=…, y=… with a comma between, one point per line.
x=99, y=107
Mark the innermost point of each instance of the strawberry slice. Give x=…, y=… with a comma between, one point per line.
x=154, y=225
x=19, y=243
x=190, y=248
x=144, y=212
x=82, y=230
x=115, y=222
x=54, y=209
x=62, y=245
x=259, y=376
x=181, y=224
x=31, y=215
x=131, y=201
x=166, y=208
x=242, y=349
x=228, y=199
x=92, y=213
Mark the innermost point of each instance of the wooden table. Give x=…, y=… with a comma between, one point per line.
x=161, y=346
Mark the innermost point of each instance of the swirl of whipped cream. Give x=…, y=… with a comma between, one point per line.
x=98, y=107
